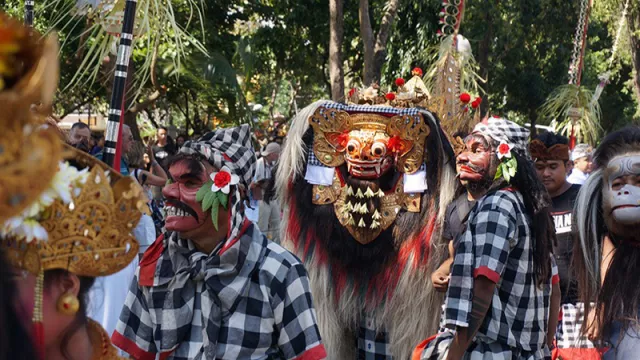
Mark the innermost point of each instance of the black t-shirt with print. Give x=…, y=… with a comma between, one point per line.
x=563, y=249
x=163, y=153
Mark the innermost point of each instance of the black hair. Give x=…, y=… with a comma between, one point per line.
x=15, y=340
x=80, y=125
x=164, y=128
x=549, y=139
x=537, y=203
x=51, y=277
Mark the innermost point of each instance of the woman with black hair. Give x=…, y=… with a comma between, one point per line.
x=607, y=257
x=503, y=295
x=79, y=229
x=15, y=340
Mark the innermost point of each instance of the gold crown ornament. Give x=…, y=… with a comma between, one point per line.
x=29, y=151
x=82, y=223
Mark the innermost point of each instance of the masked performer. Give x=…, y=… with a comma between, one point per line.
x=498, y=300
x=607, y=257
x=213, y=287
x=363, y=192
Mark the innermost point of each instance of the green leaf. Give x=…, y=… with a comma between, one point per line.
x=214, y=213
x=209, y=200
x=512, y=171
x=224, y=199
x=204, y=190
x=498, y=172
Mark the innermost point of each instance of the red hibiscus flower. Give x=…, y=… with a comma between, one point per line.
x=223, y=179
x=504, y=150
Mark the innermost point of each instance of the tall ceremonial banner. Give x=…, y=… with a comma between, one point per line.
x=28, y=12
x=116, y=106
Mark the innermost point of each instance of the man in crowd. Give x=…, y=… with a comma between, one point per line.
x=79, y=136
x=550, y=152
x=164, y=148
x=268, y=211
x=126, y=141
x=213, y=287
x=500, y=292
x=581, y=157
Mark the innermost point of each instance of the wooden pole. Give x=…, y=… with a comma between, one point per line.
x=116, y=106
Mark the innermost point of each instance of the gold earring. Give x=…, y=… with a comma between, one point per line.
x=68, y=304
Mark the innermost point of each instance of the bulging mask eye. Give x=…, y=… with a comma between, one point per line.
x=353, y=146
x=378, y=149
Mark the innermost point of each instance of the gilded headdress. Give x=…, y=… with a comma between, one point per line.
x=29, y=152
x=82, y=223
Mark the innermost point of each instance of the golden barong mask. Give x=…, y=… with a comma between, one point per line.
x=369, y=143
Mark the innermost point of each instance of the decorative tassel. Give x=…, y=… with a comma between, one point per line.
x=363, y=209
x=369, y=193
x=38, y=328
x=359, y=194
x=349, y=206
x=361, y=223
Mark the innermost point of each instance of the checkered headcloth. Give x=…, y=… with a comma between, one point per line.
x=231, y=148
x=503, y=130
x=227, y=147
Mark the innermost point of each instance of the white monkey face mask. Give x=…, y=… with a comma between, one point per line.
x=622, y=189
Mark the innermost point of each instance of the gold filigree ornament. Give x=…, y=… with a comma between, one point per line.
x=29, y=152
x=364, y=232
x=370, y=143
x=91, y=233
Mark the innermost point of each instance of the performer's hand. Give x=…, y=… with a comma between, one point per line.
x=440, y=281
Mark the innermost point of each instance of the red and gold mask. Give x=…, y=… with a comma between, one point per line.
x=371, y=144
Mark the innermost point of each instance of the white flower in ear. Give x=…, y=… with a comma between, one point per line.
x=504, y=150
x=223, y=179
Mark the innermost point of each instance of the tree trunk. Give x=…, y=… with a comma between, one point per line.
x=336, y=30
x=633, y=19
x=380, y=49
x=366, y=33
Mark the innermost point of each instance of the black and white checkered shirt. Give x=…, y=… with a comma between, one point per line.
x=373, y=342
x=250, y=299
x=498, y=244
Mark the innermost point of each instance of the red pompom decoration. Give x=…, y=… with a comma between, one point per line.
x=399, y=81
x=416, y=71
x=390, y=96
x=352, y=91
x=475, y=104
x=478, y=100
x=465, y=97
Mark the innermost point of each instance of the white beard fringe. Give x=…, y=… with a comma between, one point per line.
x=413, y=312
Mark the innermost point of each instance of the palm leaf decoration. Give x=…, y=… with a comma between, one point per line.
x=468, y=79
x=572, y=106
x=156, y=26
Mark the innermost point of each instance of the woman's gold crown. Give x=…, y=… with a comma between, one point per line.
x=90, y=235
